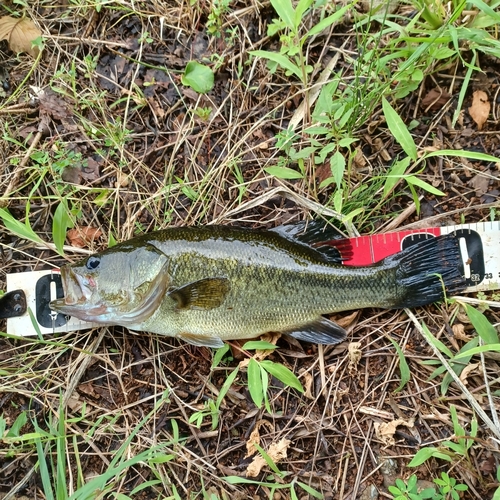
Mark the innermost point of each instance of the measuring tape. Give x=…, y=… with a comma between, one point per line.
x=479, y=246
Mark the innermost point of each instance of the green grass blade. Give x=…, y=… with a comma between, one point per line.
x=403, y=366
x=254, y=375
x=280, y=59
x=483, y=327
x=285, y=11
x=399, y=130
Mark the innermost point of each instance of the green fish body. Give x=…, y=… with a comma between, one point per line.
x=215, y=283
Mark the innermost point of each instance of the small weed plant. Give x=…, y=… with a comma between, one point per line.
x=447, y=488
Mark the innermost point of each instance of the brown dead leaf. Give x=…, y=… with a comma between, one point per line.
x=470, y=369
x=255, y=436
x=277, y=452
x=83, y=236
x=480, y=108
x=459, y=332
x=20, y=34
x=435, y=99
x=52, y=105
x=480, y=184
x=385, y=431
x=307, y=384
x=355, y=353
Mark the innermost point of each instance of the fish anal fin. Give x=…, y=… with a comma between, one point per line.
x=319, y=331
x=201, y=340
x=207, y=293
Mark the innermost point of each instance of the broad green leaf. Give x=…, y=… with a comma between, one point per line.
x=337, y=165
x=436, y=342
x=301, y=8
x=60, y=225
x=283, y=172
x=219, y=354
x=226, y=386
x=424, y=454
x=403, y=366
x=254, y=375
x=285, y=11
x=457, y=366
x=328, y=21
x=198, y=76
x=258, y=344
x=15, y=428
x=395, y=174
x=479, y=350
x=282, y=373
x=483, y=327
x=399, y=130
x=267, y=458
x=415, y=181
x=311, y=491
x=280, y=59
x=461, y=153
x=24, y=231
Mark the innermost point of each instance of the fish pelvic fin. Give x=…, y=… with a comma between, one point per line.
x=428, y=270
x=207, y=293
x=320, y=331
x=201, y=340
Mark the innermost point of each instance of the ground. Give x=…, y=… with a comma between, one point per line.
x=100, y=124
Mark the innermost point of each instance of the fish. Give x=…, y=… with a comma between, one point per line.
x=209, y=284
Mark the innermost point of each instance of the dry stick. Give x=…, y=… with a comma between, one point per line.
x=488, y=390
x=12, y=184
x=477, y=408
x=300, y=200
x=74, y=381
x=436, y=218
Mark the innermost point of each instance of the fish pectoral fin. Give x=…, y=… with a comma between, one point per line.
x=320, y=331
x=207, y=293
x=201, y=340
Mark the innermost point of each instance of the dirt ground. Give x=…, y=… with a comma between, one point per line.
x=115, y=121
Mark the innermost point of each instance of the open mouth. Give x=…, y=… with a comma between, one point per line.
x=74, y=290
x=73, y=287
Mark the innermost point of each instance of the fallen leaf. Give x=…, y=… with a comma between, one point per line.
x=20, y=34
x=354, y=356
x=277, y=452
x=255, y=436
x=83, y=236
x=307, y=384
x=435, y=98
x=480, y=184
x=385, y=431
x=53, y=105
x=468, y=370
x=459, y=332
x=480, y=108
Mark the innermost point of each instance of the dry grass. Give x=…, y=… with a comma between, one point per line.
x=121, y=141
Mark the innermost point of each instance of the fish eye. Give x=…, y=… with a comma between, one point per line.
x=93, y=262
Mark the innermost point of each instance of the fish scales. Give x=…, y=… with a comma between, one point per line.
x=216, y=283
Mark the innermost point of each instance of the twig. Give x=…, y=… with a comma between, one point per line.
x=476, y=407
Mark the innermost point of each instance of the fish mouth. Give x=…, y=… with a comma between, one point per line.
x=76, y=289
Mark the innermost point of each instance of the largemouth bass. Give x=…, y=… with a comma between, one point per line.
x=214, y=283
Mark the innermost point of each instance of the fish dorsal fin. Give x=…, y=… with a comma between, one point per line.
x=320, y=331
x=207, y=293
x=313, y=234
x=201, y=340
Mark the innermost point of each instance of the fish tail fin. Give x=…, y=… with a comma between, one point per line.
x=428, y=270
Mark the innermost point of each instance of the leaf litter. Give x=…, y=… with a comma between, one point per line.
x=20, y=34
